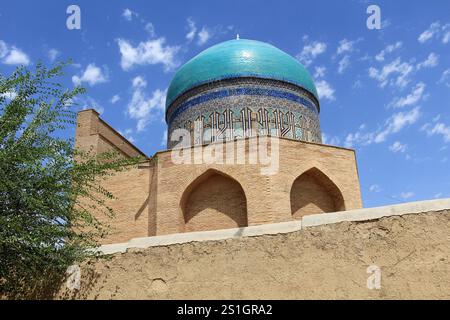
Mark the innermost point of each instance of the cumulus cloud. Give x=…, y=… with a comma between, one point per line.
x=397, y=122
x=12, y=55
x=393, y=124
x=150, y=29
x=438, y=128
x=53, y=54
x=203, y=36
x=145, y=108
x=446, y=37
x=192, y=29
x=9, y=95
x=344, y=63
x=310, y=51
x=406, y=195
x=389, y=49
x=319, y=72
x=445, y=78
x=436, y=30
x=359, y=138
x=346, y=46
x=324, y=90
x=114, y=98
x=411, y=99
x=395, y=73
x=127, y=133
x=374, y=188
x=330, y=140
x=431, y=61
x=128, y=14
x=86, y=102
x=150, y=52
x=92, y=75
x=397, y=146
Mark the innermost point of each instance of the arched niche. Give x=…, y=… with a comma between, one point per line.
x=314, y=192
x=213, y=201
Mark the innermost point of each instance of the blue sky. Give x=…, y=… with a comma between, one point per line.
x=385, y=93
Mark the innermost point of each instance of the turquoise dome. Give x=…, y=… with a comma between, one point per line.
x=239, y=58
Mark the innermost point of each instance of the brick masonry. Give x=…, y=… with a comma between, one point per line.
x=162, y=197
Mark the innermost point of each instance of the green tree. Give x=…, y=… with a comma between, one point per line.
x=48, y=190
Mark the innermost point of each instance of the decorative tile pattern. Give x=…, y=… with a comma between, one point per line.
x=243, y=107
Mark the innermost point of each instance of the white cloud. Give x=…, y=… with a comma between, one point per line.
x=446, y=37
x=92, y=75
x=439, y=128
x=386, y=75
x=445, y=78
x=431, y=61
x=86, y=102
x=203, y=36
x=397, y=146
x=430, y=32
x=16, y=56
x=397, y=122
x=436, y=30
x=330, y=140
x=344, y=63
x=192, y=29
x=114, y=98
x=128, y=14
x=357, y=84
x=127, y=134
x=3, y=49
x=345, y=46
x=374, y=188
x=359, y=137
x=320, y=72
x=12, y=55
x=392, y=125
x=9, y=95
x=324, y=90
x=389, y=49
x=53, y=54
x=411, y=99
x=150, y=29
x=143, y=108
x=407, y=195
x=310, y=51
x=147, y=53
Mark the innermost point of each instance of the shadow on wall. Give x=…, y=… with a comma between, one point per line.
x=313, y=192
x=214, y=201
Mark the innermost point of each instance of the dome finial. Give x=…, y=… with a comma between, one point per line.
x=237, y=36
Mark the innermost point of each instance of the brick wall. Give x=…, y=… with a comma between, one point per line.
x=150, y=199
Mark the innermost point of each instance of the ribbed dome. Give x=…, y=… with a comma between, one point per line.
x=239, y=58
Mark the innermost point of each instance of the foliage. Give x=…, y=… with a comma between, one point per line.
x=49, y=191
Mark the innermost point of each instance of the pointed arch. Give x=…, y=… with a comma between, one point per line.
x=213, y=201
x=314, y=192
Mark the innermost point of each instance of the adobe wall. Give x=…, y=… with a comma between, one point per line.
x=320, y=257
